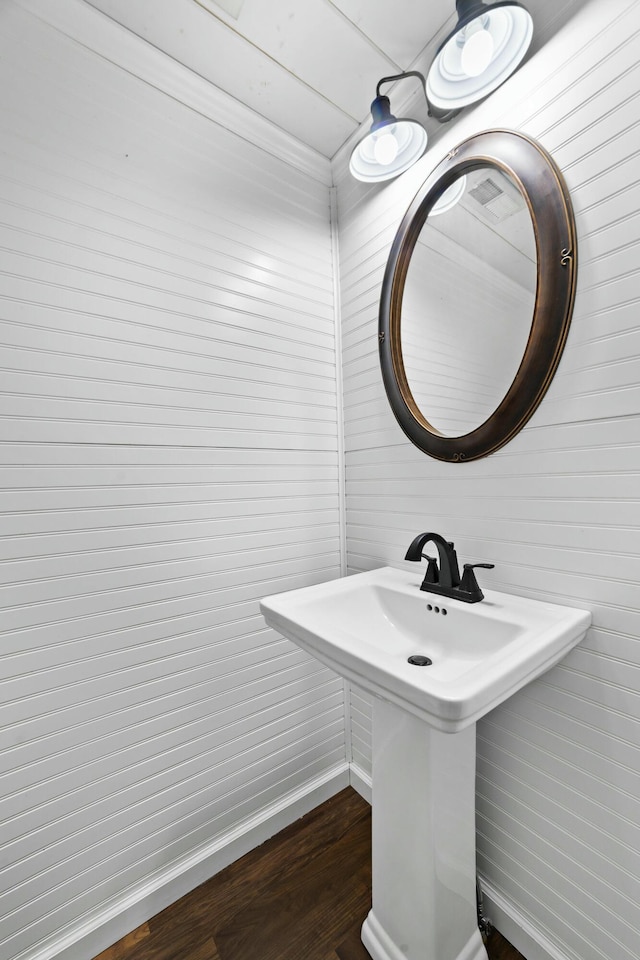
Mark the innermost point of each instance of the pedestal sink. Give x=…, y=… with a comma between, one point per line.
x=468, y=659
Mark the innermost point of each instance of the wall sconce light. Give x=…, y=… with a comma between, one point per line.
x=482, y=51
x=392, y=145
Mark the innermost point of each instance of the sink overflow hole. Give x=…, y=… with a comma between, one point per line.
x=419, y=661
x=441, y=610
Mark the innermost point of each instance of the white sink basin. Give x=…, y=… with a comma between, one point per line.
x=366, y=626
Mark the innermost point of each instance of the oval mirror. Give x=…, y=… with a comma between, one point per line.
x=477, y=296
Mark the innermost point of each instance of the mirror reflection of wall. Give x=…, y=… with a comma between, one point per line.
x=468, y=301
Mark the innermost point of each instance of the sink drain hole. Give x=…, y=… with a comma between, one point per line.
x=419, y=661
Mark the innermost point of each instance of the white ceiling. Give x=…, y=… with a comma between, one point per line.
x=309, y=66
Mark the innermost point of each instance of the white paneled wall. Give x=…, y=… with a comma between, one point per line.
x=169, y=452
x=557, y=510
x=169, y=456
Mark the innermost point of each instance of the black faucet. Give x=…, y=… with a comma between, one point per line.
x=445, y=580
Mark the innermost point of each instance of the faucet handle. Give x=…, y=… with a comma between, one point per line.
x=469, y=584
x=433, y=574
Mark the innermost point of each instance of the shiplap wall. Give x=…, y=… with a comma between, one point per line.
x=169, y=456
x=557, y=510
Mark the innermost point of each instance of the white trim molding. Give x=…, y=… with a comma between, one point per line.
x=91, y=28
x=113, y=922
x=515, y=927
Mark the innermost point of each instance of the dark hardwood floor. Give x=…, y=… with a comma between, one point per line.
x=302, y=895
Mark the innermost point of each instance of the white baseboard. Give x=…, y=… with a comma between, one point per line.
x=107, y=926
x=110, y=924
x=360, y=781
x=516, y=928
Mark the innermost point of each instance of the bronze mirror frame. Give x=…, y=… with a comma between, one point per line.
x=547, y=197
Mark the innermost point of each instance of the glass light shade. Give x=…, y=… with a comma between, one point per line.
x=509, y=28
x=377, y=158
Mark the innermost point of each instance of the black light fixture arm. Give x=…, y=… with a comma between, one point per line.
x=381, y=106
x=400, y=76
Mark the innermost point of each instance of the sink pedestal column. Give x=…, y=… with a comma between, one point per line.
x=424, y=859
